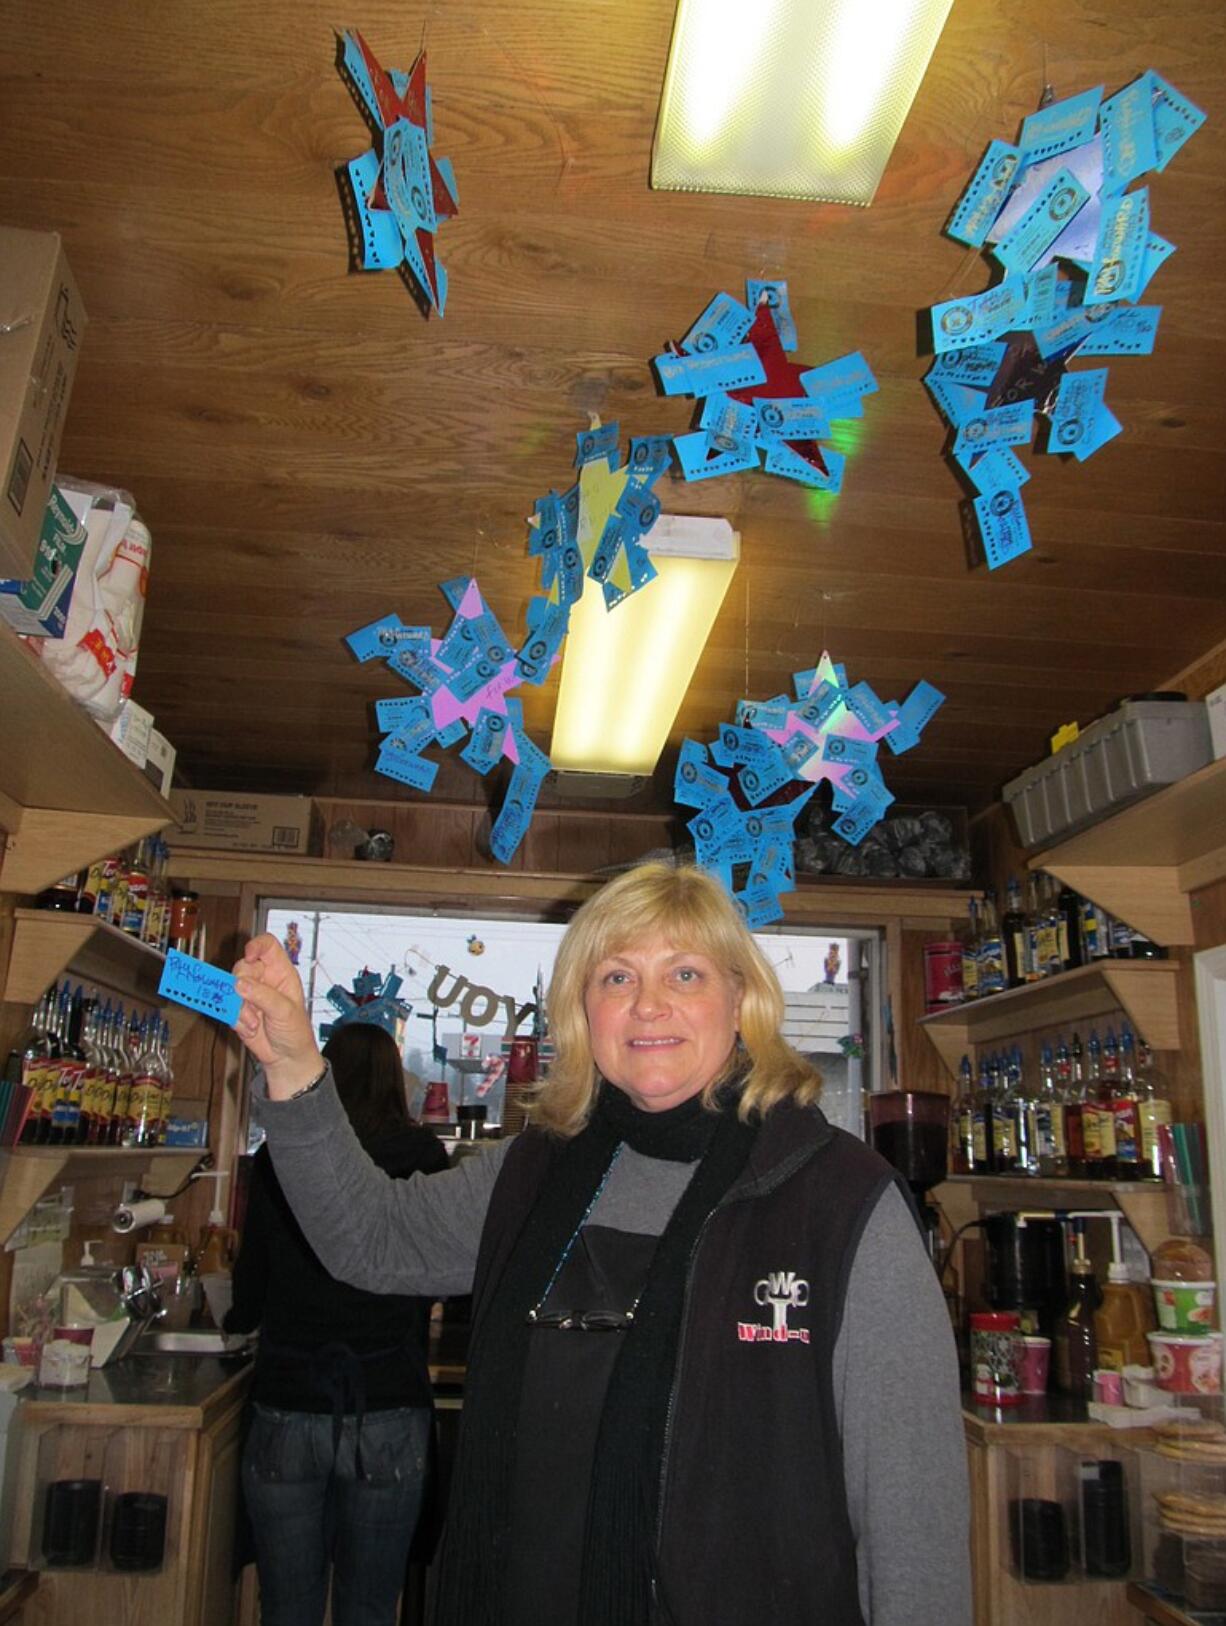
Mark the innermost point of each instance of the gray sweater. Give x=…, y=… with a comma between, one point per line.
x=895, y=1371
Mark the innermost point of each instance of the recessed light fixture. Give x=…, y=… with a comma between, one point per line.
x=625, y=671
x=790, y=98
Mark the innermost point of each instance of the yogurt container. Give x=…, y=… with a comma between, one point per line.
x=1184, y=1306
x=1187, y=1363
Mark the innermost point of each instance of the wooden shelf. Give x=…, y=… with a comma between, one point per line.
x=925, y=905
x=1145, y=1204
x=1142, y=863
x=46, y=942
x=68, y=795
x=15, y=1587
x=29, y=1172
x=1144, y=989
x=1159, y=1610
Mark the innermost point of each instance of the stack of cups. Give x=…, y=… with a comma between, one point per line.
x=1038, y=1537
x=138, y=1531
x=1036, y=1362
x=72, y=1516
x=1107, y=1549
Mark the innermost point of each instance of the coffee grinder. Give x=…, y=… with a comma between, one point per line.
x=911, y=1130
x=1026, y=1269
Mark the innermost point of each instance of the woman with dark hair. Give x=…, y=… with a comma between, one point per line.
x=336, y=1456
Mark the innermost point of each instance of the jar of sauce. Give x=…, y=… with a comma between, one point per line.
x=184, y=917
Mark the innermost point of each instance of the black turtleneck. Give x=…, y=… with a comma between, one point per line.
x=680, y=1134
x=567, y=1372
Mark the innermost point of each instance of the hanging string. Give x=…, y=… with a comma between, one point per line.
x=825, y=598
x=747, y=693
x=425, y=25
x=1047, y=95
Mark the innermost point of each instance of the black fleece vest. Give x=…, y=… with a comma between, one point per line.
x=753, y=1519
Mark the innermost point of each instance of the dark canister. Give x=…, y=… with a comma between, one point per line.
x=71, y=1517
x=996, y=1358
x=138, y=1531
x=470, y=1119
x=1038, y=1539
x=1106, y=1544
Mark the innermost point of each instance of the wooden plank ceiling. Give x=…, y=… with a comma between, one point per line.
x=309, y=453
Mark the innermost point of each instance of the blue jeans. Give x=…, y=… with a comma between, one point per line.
x=310, y=1511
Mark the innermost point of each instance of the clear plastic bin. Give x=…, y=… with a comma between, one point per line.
x=108, y=1498
x=1134, y=751
x=1184, y=1506
x=1071, y=1517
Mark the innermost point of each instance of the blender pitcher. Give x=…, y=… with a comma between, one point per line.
x=911, y=1131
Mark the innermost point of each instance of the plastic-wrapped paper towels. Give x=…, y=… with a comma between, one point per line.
x=95, y=659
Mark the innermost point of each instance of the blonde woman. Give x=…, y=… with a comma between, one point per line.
x=711, y=1377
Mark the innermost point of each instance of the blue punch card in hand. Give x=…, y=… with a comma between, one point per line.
x=200, y=986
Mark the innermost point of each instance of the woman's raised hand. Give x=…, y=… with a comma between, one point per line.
x=273, y=1021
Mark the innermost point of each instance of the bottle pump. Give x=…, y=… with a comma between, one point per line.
x=1125, y=1314
x=1121, y=1309
x=218, y=1243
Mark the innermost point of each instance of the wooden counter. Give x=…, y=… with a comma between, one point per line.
x=163, y=1391
x=171, y=1424
x=1051, y=1419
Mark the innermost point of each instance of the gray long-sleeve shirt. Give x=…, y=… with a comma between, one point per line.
x=895, y=1372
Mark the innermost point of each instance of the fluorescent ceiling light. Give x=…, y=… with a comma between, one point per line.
x=790, y=98
x=625, y=671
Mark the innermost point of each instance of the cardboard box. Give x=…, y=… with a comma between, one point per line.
x=38, y=606
x=163, y=1260
x=42, y=320
x=254, y=824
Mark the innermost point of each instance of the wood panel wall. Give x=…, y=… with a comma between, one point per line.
x=919, y=1066
x=559, y=842
x=310, y=454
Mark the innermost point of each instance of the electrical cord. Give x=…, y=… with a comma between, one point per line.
x=212, y=1071
x=201, y=1166
x=953, y=1243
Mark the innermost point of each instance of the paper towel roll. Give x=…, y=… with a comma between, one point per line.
x=135, y=1216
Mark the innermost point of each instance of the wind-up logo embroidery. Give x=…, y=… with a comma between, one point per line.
x=783, y=1291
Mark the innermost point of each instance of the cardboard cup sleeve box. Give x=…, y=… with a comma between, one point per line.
x=237, y=823
x=39, y=606
x=160, y=761
x=42, y=321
